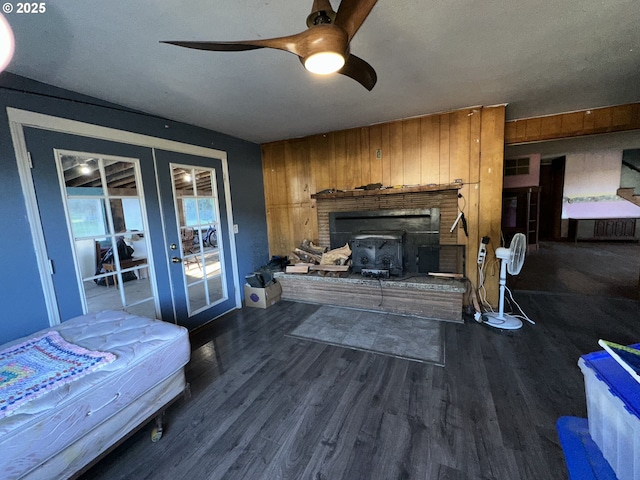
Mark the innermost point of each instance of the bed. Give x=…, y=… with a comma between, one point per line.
x=65, y=430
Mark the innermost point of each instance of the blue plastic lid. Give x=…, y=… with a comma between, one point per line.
x=620, y=382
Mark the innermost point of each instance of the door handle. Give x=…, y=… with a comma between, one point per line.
x=176, y=260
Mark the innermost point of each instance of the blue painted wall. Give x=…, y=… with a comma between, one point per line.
x=23, y=308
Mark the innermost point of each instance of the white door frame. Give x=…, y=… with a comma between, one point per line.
x=19, y=119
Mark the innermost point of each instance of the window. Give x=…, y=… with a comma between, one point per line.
x=516, y=166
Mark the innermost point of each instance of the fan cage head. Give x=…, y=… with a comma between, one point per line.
x=517, y=251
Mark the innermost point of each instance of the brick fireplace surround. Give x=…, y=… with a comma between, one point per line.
x=421, y=296
x=370, y=200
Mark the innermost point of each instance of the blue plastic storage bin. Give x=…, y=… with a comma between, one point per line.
x=613, y=411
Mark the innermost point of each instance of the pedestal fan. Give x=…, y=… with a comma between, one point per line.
x=511, y=260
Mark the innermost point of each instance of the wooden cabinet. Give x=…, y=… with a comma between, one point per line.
x=521, y=214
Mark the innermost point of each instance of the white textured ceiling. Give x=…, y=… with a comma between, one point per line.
x=539, y=57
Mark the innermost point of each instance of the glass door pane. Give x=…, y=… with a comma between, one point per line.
x=197, y=213
x=105, y=210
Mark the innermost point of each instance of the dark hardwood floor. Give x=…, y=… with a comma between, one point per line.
x=606, y=269
x=267, y=406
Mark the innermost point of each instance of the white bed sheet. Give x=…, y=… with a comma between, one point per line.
x=150, y=355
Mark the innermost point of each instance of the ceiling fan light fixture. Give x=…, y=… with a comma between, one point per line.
x=324, y=63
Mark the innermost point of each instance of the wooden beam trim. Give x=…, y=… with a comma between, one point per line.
x=593, y=121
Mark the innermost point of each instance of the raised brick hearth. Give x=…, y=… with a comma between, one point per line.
x=434, y=298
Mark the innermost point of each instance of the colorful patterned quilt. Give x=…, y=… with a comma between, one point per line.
x=41, y=364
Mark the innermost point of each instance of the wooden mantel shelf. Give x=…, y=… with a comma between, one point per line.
x=388, y=191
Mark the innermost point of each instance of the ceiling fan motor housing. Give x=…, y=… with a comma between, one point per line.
x=325, y=49
x=326, y=38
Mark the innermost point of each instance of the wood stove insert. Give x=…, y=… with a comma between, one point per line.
x=393, y=240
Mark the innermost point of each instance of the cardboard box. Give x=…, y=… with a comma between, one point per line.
x=262, y=297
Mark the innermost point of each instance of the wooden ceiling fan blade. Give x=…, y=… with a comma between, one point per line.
x=295, y=44
x=360, y=71
x=352, y=13
x=217, y=46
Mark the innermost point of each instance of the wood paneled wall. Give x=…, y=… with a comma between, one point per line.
x=466, y=145
x=619, y=118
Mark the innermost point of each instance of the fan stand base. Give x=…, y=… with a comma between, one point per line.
x=506, y=322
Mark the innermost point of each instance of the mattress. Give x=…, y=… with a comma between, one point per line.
x=83, y=418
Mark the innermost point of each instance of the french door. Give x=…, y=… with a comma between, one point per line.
x=113, y=244
x=195, y=216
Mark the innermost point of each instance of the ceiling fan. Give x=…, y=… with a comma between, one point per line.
x=323, y=48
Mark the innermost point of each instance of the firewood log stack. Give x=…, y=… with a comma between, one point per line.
x=308, y=252
x=309, y=256
x=337, y=256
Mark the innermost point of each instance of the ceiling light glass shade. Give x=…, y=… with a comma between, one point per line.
x=6, y=43
x=85, y=169
x=324, y=62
